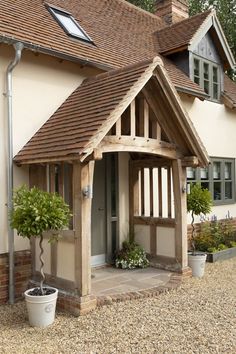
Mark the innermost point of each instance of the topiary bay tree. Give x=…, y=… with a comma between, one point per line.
x=34, y=212
x=199, y=201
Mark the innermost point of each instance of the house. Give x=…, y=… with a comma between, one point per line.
x=114, y=108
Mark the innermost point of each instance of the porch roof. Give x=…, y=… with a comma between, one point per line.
x=87, y=115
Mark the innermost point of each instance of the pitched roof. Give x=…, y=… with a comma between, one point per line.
x=229, y=95
x=75, y=128
x=123, y=34
x=179, y=35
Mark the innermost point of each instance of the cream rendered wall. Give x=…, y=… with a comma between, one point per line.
x=40, y=85
x=216, y=126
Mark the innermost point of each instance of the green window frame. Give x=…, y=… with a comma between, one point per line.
x=207, y=75
x=218, y=178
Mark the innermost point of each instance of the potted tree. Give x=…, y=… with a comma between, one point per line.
x=35, y=211
x=199, y=202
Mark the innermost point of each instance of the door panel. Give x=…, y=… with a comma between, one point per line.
x=99, y=243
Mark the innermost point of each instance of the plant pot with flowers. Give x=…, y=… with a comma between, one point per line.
x=199, y=202
x=34, y=212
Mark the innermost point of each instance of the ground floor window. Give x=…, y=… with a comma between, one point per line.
x=218, y=178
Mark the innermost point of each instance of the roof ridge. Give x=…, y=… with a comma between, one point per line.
x=124, y=68
x=186, y=20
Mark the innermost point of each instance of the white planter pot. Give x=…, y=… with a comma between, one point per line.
x=197, y=263
x=41, y=309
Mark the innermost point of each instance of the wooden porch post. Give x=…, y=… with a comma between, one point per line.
x=179, y=184
x=82, y=182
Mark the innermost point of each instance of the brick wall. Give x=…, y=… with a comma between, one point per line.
x=22, y=274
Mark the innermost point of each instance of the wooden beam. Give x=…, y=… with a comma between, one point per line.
x=146, y=220
x=190, y=161
x=118, y=127
x=169, y=191
x=54, y=250
x=146, y=119
x=137, y=144
x=179, y=181
x=160, y=191
x=132, y=119
x=82, y=178
x=151, y=190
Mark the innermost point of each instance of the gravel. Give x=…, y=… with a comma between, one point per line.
x=198, y=317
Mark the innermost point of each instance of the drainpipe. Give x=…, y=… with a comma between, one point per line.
x=18, y=50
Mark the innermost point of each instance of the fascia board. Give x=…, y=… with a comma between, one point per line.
x=223, y=41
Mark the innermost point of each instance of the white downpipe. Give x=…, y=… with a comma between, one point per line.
x=18, y=50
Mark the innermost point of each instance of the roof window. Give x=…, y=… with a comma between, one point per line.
x=69, y=24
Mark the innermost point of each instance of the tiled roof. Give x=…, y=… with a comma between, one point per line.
x=179, y=35
x=229, y=95
x=123, y=34
x=91, y=110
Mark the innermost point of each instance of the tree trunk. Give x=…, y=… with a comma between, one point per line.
x=42, y=264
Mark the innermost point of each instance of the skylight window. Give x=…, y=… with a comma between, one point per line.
x=69, y=24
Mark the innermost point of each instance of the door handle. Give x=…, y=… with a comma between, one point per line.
x=101, y=209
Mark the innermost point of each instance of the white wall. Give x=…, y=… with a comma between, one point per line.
x=216, y=126
x=40, y=85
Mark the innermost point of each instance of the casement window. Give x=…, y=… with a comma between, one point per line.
x=218, y=178
x=69, y=24
x=207, y=75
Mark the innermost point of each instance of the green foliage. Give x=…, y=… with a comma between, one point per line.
x=147, y=5
x=131, y=256
x=199, y=200
x=215, y=236
x=35, y=211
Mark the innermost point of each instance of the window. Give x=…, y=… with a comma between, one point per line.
x=206, y=75
x=218, y=178
x=69, y=24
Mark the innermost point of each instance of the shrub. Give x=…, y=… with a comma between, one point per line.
x=131, y=256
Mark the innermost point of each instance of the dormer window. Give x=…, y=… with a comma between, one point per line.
x=69, y=24
x=207, y=75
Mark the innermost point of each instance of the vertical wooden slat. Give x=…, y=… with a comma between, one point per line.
x=141, y=117
x=146, y=119
x=169, y=191
x=61, y=180
x=82, y=177
x=132, y=119
x=153, y=240
x=52, y=178
x=179, y=181
x=136, y=191
x=160, y=191
x=118, y=127
x=151, y=190
x=54, y=252
x=142, y=192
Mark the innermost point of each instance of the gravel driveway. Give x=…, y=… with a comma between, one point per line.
x=199, y=317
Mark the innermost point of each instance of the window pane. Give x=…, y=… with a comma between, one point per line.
x=215, y=91
x=196, y=80
x=206, y=71
x=206, y=86
x=191, y=173
x=228, y=169
x=70, y=25
x=217, y=190
x=216, y=170
x=196, y=67
x=215, y=74
x=204, y=173
x=228, y=190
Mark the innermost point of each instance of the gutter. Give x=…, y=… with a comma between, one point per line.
x=201, y=96
x=18, y=50
x=39, y=49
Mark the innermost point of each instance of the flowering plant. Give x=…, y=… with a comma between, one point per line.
x=131, y=256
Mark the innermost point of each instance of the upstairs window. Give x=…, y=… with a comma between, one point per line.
x=69, y=24
x=218, y=178
x=206, y=75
